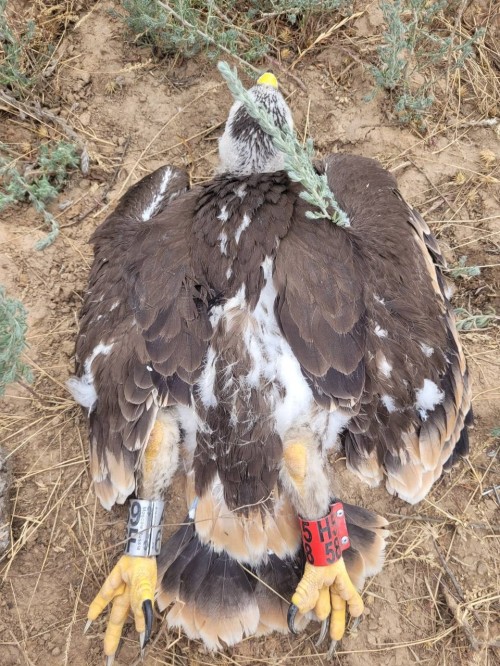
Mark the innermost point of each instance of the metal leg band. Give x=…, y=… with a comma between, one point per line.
x=145, y=518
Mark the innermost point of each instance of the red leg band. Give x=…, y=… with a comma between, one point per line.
x=325, y=539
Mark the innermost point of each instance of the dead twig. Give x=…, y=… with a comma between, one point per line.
x=453, y=580
x=460, y=618
x=494, y=527
x=35, y=111
x=324, y=35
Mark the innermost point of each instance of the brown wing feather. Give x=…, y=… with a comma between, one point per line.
x=113, y=362
x=365, y=312
x=320, y=308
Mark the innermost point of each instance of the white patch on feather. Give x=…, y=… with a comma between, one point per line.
x=82, y=388
x=428, y=397
x=190, y=423
x=384, y=366
x=381, y=332
x=244, y=224
x=378, y=299
x=229, y=272
x=223, y=216
x=150, y=210
x=207, y=380
x=223, y=242
x=336, y=423
x=273, y=360
x=241, y=191
x=449, y=289
x=428, y=351
x=388, y=402
x=114, y=306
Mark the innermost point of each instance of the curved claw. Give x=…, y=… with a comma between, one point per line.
x=290, y=618
x=322, y=632
x=332, y=650
x=356, y=622
x=147, y=609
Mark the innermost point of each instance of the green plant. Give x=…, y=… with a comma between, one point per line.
x=461, y=270
x=294, y=9
x=20, y=57
x=12, y=341
x=466, y=321
x=186, y=27
x=298, y=160
x=412, y=46
x=39, y=183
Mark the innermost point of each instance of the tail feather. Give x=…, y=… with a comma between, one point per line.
x=276, y=582
x=356, y=515
x=225, y=608
x=174, y=546
x=214, y=597
x=172, y=579
x=181, y=616
x=367, y=536
x=355, y=565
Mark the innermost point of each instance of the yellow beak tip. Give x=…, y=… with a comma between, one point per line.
x=268, y=79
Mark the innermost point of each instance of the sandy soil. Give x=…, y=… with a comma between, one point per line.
x=134, y=115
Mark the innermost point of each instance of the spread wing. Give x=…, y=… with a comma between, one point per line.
x=364, y=311
x=132, y=348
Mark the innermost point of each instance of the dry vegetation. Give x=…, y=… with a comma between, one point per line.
x=437, y=600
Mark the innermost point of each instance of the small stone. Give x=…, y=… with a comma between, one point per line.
x=68, y=348
x=482, y=568
x=84, y=76
x=85, y=118
x=84, y=184
x=56, y=651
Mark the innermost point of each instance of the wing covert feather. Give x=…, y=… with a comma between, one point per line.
x=143, y=314
x=365, y=312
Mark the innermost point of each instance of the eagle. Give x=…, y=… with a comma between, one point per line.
x=227, y=337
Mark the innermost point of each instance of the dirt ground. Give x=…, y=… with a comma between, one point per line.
x=135, y=114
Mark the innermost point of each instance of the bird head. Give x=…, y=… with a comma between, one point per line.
x=245, y=148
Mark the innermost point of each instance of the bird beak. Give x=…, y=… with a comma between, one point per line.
x=268, y=79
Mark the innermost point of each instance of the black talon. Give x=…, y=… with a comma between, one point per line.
x=147, y=609
x=356, y=622
x=332, y=650
x=290, y=618
x=322, y=633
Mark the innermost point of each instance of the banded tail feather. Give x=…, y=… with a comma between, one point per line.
x=219, y=599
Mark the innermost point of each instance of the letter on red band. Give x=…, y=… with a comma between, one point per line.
x=325, y=539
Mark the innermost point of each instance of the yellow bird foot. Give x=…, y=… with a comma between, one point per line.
x=328, y=591
x=130, y=585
